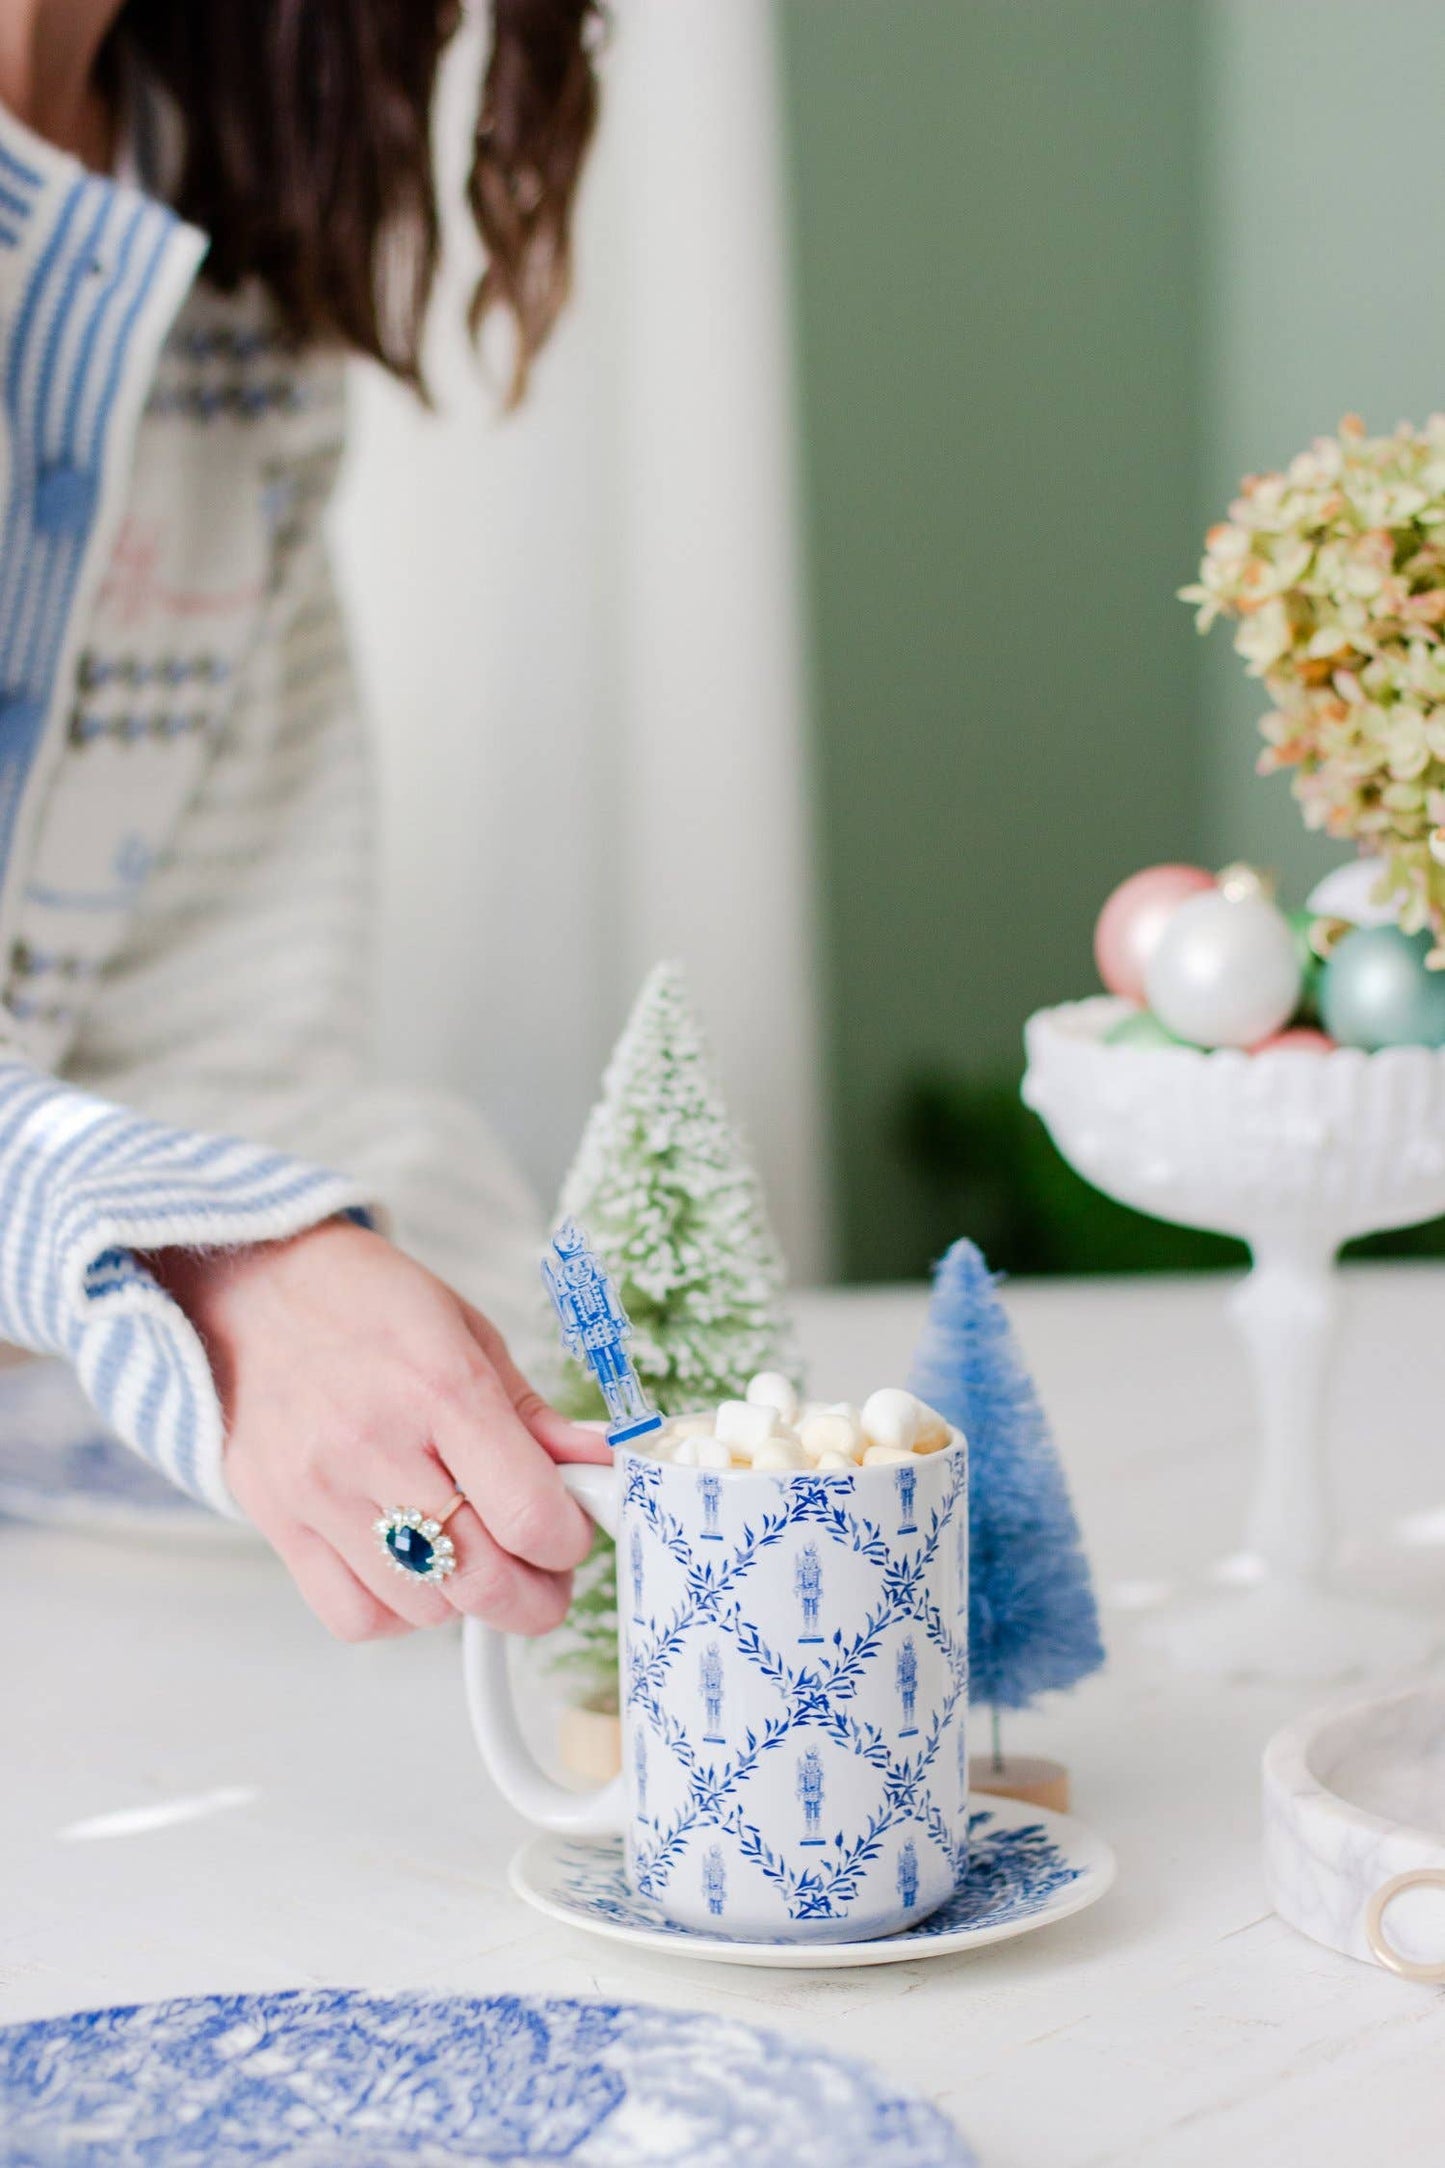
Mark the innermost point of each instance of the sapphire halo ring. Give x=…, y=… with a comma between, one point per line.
x=417, y=1544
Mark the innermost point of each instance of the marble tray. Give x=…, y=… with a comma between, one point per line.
x=1354, y=1820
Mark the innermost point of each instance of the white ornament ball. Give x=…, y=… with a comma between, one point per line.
x=1349, y=892
x=891, y=1417
x=1226, y=971
x=770, y=1389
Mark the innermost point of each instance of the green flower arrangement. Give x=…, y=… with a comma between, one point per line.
x=1335, y=573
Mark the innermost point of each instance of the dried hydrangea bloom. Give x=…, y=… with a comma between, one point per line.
x=1334, y=573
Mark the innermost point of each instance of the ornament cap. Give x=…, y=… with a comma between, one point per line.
x=1243, y=883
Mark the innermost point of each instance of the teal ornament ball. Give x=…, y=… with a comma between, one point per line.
x=1376, y=991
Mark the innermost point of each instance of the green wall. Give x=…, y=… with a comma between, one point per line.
x=1065, y=270
x=1323, y=286
x=997, y=243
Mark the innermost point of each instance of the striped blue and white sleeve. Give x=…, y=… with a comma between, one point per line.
x=84, y=1186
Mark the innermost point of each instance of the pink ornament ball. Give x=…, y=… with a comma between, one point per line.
x=1132, y=923
x=1299, y=1039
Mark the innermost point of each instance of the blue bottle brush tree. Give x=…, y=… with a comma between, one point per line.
x=1033, y=1624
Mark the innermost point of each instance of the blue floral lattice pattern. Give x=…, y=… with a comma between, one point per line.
x=333, y=2079
x=1014, y=1873
x=787, y=1613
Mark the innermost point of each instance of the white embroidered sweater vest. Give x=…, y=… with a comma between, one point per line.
x=185, y=864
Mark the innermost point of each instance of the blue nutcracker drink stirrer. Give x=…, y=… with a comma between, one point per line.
x=595, y=1331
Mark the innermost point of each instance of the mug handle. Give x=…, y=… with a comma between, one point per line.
x=490, y=1703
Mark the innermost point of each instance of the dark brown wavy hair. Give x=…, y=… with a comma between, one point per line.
x=308, y=156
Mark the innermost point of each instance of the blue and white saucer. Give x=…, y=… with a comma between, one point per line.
x=61, y=1468
x=331, y=2078
x=1027, y=1867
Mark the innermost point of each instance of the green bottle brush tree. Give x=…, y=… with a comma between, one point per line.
x=663, y=1187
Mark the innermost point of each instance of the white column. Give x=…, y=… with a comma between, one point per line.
x=717, y=868
x=579, y=634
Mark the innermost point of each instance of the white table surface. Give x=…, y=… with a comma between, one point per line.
x=1178, y=2023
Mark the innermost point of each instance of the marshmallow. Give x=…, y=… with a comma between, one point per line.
x=770, y=1389
x=780, y=1453
x=891, y=1417
x=743, y=1426
x=689, y=1426
x=933, y=1432
x=772, y=1430
x=830, y=1432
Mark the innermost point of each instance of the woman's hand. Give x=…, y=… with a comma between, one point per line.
x=353, y=1381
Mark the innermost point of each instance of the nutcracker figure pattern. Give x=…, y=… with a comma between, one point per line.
x=907, y=1481
x=637, y=1565
x=907, y=1677
x=811, y=1794
x=639, y=1770
x=908, y=1874
x=715, y=1880
x=808, y=1587
x=710, y=1675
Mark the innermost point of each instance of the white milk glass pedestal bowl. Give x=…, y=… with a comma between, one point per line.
x=1295, y=1152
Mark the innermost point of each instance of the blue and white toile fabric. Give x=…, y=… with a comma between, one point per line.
x=330, y=2076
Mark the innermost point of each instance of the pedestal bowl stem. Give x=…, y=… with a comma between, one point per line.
x=1287, y=1311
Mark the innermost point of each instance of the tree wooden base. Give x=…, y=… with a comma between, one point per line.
x=589, y=1744
x=1030, y=1777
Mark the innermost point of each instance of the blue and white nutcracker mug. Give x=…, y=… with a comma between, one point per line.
x=794, y=1682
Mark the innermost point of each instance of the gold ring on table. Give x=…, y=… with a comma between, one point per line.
x=1408, y=1968
x=415, y=1543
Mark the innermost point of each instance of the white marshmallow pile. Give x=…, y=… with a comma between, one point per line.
x=773, y=1429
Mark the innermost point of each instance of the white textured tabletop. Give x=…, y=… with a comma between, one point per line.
x=354, y=1839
